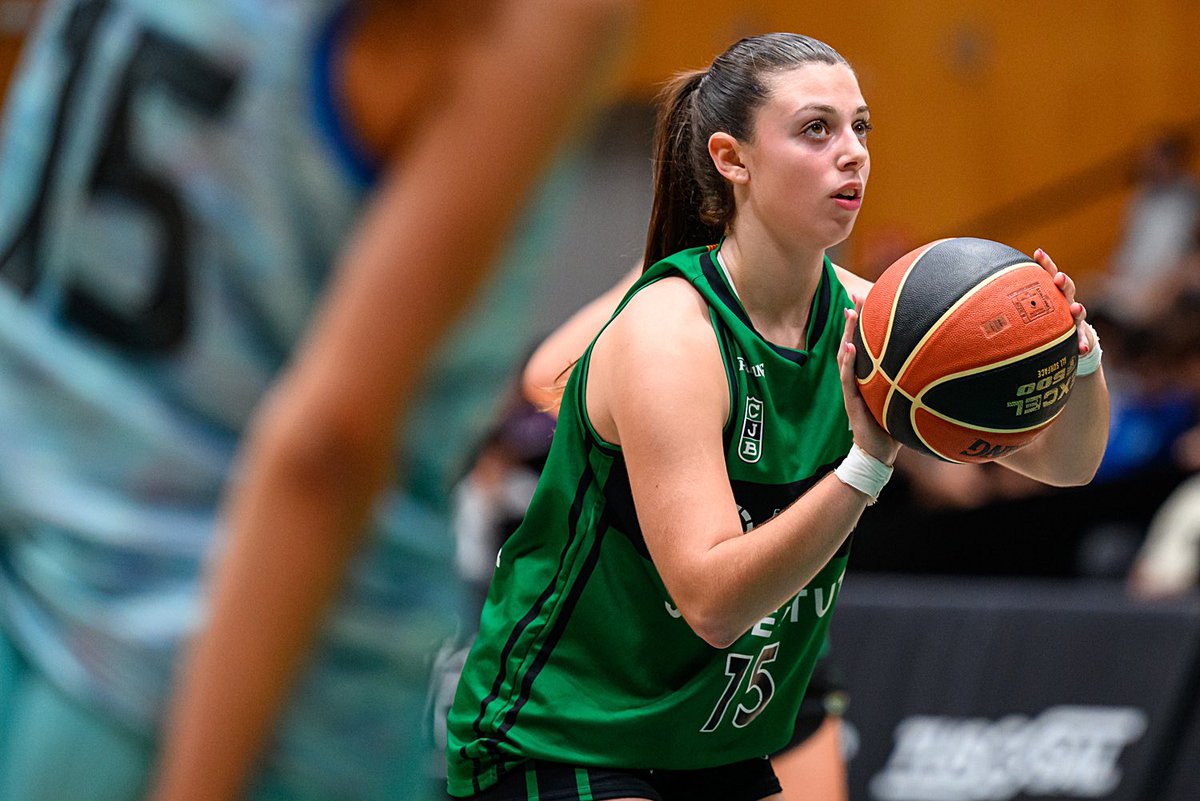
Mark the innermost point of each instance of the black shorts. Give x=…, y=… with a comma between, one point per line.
x=750, y=780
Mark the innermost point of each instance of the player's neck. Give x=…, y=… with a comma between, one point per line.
x=775, y=287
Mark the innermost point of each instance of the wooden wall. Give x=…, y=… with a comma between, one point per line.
x=978, y=105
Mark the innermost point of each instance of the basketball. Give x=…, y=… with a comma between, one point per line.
x=966, y=350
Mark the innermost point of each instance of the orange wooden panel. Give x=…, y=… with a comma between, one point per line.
x=977, y=105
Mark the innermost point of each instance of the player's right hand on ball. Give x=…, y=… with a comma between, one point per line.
x=868, y=434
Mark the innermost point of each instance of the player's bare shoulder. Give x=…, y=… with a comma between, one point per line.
x=856, y=286
x=665, y=319
x=661, y=346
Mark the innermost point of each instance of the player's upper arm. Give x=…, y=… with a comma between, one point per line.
x=657, y=386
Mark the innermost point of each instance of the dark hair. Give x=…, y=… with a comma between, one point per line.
x=693, y=203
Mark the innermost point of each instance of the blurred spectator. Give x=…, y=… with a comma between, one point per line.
x=1158, y=230
x=1152, y=405
x=1182, y=280
x=490, y=500
x=1168, y=563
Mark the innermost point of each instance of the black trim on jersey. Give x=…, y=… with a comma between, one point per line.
x=488, y=742
x=763, y=501
x=724, y=341
x=760, y=501
x=560, y=624
x=566, y=607
x=618, y=505
x=820, y=312
x=721, y=289
x=820, y=315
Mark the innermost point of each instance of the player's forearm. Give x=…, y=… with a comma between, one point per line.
x=745, y=578
x=1068, y=453
x=292, y=528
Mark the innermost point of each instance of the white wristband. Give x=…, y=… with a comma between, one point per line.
x=863, y=472
x=1089, y=362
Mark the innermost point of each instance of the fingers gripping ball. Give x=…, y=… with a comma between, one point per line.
x=965, y=350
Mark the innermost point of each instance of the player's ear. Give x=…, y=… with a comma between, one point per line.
x=726, y=153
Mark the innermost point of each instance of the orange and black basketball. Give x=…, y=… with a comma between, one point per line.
x=966, y=349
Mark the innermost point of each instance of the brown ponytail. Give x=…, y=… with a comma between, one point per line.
x=675, y=222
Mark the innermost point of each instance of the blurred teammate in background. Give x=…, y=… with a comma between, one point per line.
x=222, y=212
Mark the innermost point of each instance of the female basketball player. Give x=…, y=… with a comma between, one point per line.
x=810, y=766
x=194, y=196
x=652, y=625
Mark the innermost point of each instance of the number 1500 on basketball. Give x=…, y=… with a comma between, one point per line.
x=1050, y=389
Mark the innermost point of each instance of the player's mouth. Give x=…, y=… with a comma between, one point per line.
x=849, y=197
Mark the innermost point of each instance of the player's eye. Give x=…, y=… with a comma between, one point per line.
x=817, y=129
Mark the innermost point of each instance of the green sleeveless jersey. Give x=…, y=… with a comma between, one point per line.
x=581, y=656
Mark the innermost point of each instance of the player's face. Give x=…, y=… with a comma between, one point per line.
x=807, y=158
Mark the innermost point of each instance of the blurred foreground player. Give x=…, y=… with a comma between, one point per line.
x=222, y=212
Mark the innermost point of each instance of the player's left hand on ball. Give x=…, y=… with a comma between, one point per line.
x=868, y=434
x=1087, y=336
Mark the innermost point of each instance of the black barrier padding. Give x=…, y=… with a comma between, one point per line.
x=966, y=689
x=1176, y=777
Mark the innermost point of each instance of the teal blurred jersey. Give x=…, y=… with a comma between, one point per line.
x=176, y=182
x=582, y=656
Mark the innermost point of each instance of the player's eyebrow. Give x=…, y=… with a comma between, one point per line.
x=863, y=109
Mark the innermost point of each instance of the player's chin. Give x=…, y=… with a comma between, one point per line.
x=839, y=229
x=824, y=230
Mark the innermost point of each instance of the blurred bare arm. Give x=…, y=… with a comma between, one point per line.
x=321, y=447
x=546, y=371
